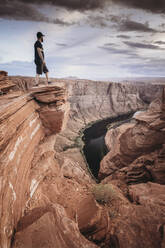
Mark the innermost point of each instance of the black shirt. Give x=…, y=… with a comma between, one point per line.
x=36, y=55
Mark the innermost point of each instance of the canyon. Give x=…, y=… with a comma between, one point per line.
x=49, y=196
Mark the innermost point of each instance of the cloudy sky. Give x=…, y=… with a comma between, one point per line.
x=95, y=39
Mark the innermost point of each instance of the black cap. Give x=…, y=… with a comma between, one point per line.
x=39, y=35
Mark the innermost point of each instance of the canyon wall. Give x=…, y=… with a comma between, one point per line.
x=22, y=132
x=136, y=164
x=92, y=101
x=47, y=195
x=136, y=149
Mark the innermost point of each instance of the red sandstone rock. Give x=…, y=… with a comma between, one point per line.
x=45, y=195
x=21, y=131
x=137, y=156
x=24, y=84
x=150, y=167
x=53, y=109
x=50, y=217
x=130, y=225
x=52, y=229
x=93, y=221
x=130, y=141
x=6, y=84
x=51, y=94
x=150, y=195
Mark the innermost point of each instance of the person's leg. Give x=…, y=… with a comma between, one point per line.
x=38, y=72
x=47, y=77
x=46, y=71
x=37, y=79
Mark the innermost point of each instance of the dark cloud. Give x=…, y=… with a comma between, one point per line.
x=155, y=6
x=123, y=36
x=128, y=25
x=19, y=11
x=61, y=22
x=125, y=24
x=142, y=45
x=28, y=10
x=70, y=4
x=159, y=42
x=121, y=23
x=22, y=9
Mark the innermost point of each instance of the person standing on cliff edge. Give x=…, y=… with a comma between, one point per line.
x=40, y=59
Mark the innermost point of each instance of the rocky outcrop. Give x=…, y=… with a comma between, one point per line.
x=53, y=229
x=128, y=225
x=151, y=196
x=6, y=84
x=53, y=109
x=149, y=167
x=129, y=142
x=93, y=220
x=135, y=164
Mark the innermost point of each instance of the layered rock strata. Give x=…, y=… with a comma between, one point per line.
x=48, y=198
x=53, y=108
x=92, y=101
x=21, y=132
x=137, y=148
x=5, y=83
x=136, y=164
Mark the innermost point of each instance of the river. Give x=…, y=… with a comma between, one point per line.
x=94, y=140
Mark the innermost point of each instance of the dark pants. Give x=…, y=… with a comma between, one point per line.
x=40, y=67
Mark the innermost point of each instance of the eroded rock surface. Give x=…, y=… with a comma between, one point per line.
x=91, y=101
x=130, y=141
x=53, y=109
x=21, y=132
x=5, y=83
x=135, y=163
x=47, y=195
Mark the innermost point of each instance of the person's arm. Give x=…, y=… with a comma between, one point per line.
x=40, y=54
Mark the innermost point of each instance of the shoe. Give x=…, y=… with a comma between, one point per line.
x=49, y=82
